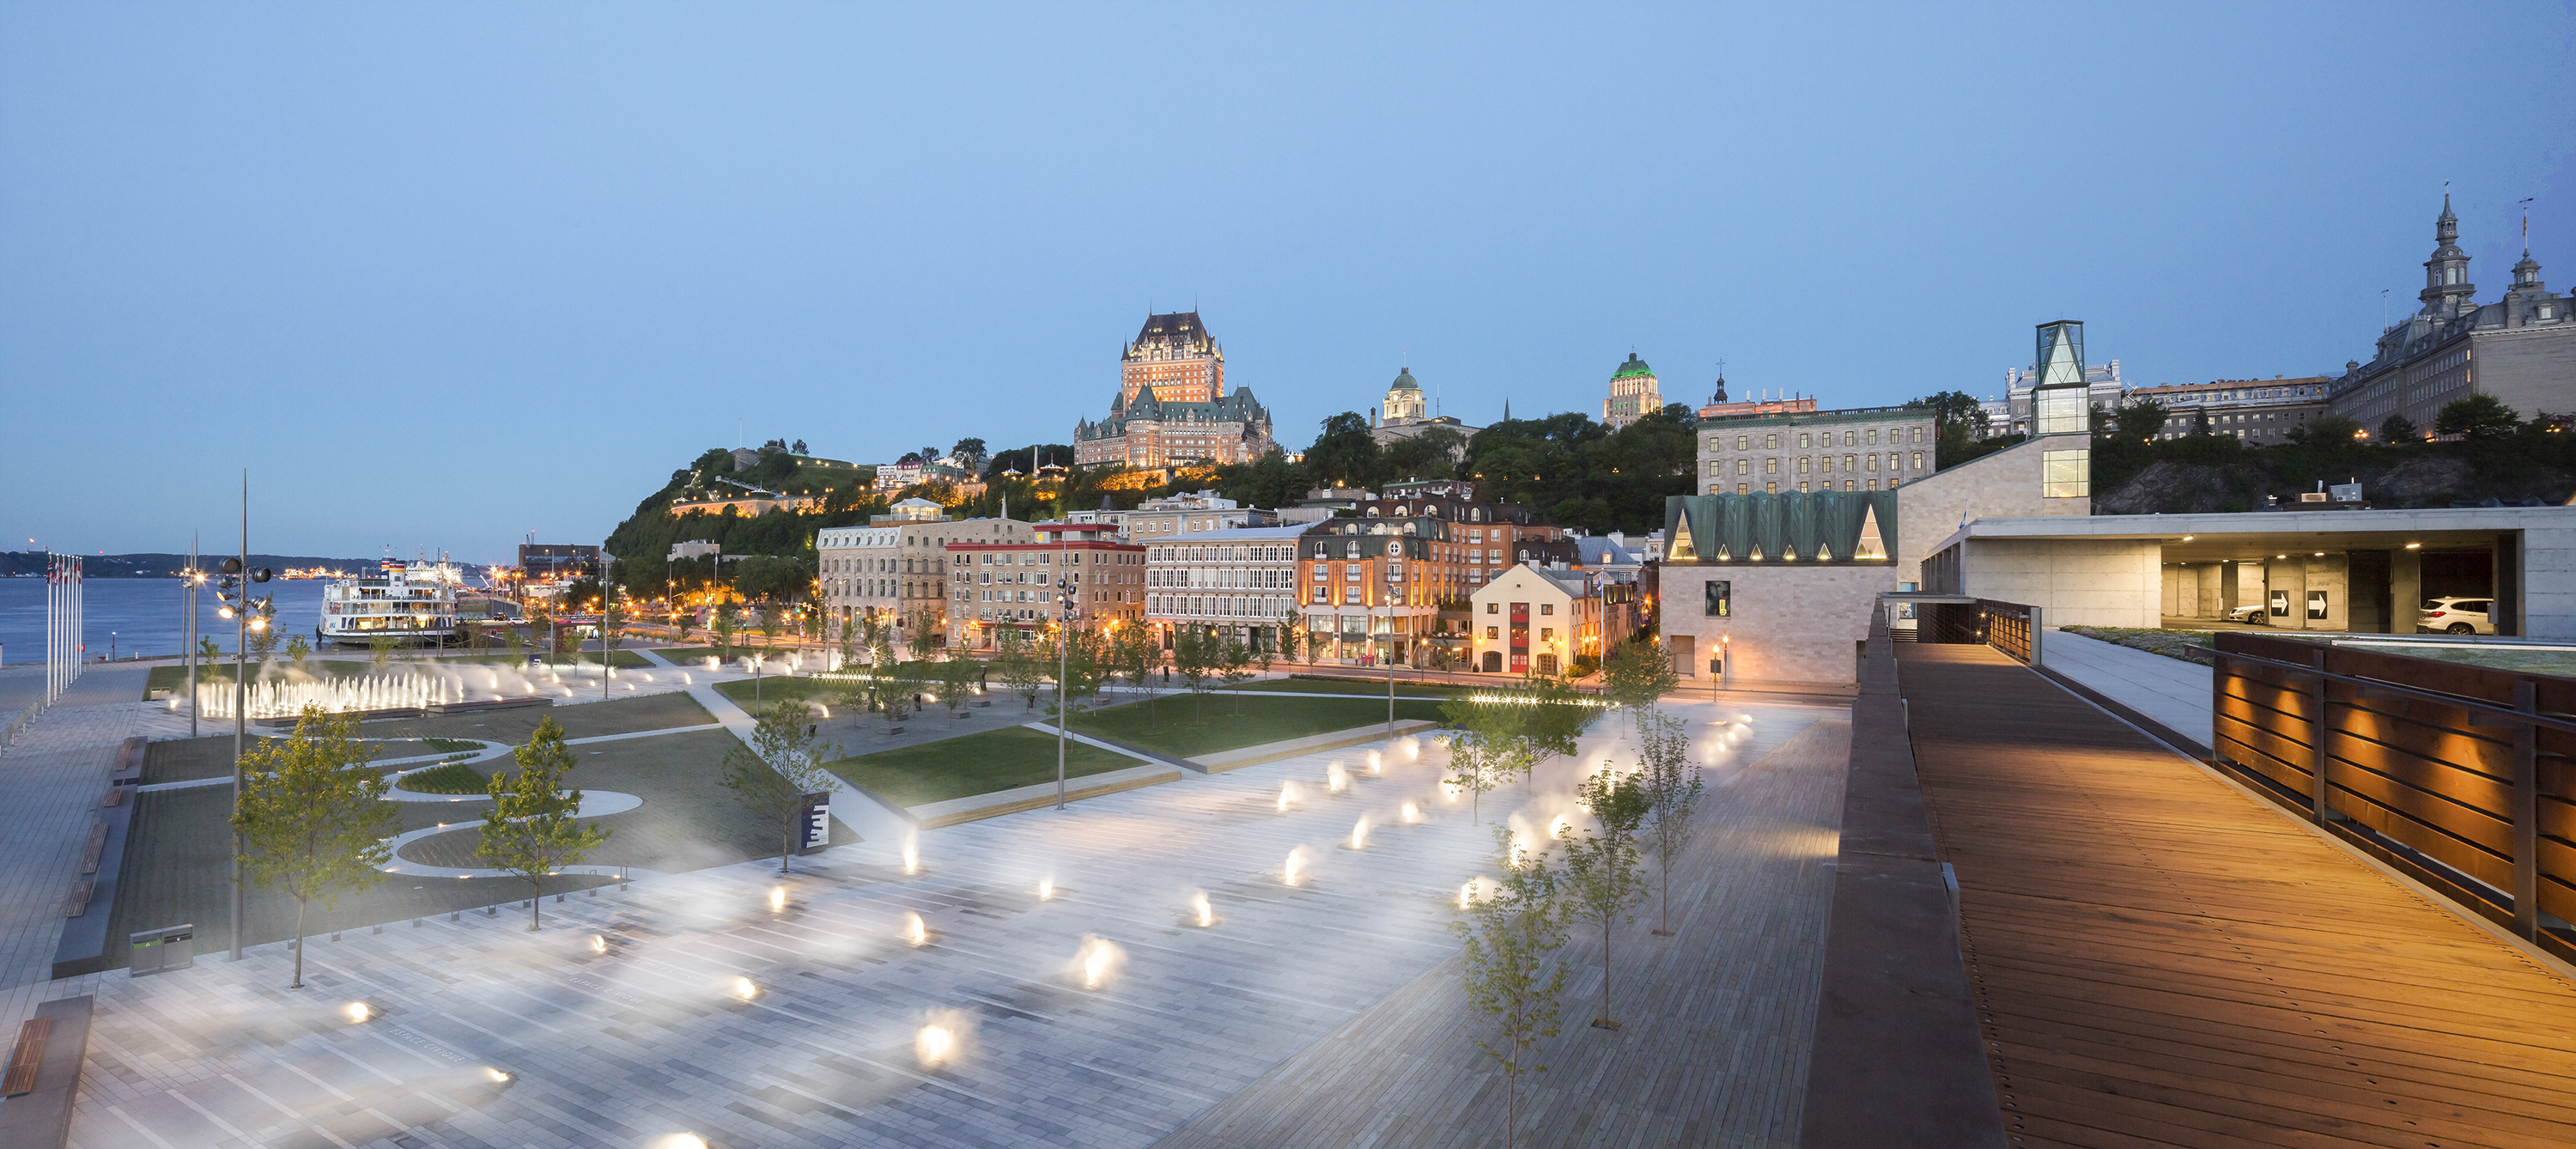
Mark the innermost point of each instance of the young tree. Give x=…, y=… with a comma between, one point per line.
x=889, y=687
x=784, y=761
x=1485, y=746
x=1234, y=665
x=852, y=646
x=1558, y=716
x=1672, y=785
x=1195, y=655
x=297, y=650
x=530, y=831
x=1635, y=675
x=728, y=624
x=263, y=631
x=380, y=650
x=1508, y=944
x=956, y=674
x=612, y=633
x=207, y=651
x=1132, y=654
x=1019, y=666
x=1604, y=877
x=310, y=823
x=924, y=639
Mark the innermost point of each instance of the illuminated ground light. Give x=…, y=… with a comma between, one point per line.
x=1296, y=862
x=1206, y=912
x=934, y=1044
x=777, y=898
x=598, y=944
x=913, y=931
x=1412, y=813
x=357, y=1011
x=1046, y=888
x=742, y=988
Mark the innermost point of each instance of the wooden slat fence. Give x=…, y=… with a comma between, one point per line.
x=2395, y=753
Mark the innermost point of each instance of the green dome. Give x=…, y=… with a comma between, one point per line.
x=1633, y=367
x=1404, y=381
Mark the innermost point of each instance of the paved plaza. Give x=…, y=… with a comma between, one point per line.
x=695, y=1004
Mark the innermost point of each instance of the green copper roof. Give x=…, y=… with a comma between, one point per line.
x=1633, y=367
x=1404, y=381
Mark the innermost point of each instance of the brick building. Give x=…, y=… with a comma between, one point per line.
x=991, y=586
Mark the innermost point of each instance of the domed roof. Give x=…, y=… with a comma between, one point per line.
x=1633, y=367
x=1404, y=381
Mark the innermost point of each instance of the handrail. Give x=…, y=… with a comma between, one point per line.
x=2462, y=701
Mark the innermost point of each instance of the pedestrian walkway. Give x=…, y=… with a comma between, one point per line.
x=2168, y=690
x=54, y=779
x=1715, y=1020
x=2162, y=959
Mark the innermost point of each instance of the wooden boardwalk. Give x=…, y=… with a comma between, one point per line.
x=2160, y=959
x=1717, y=1019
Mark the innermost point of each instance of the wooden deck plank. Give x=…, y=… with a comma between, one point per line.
x=2160, y=960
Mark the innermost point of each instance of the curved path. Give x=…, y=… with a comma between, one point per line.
x=594, y=804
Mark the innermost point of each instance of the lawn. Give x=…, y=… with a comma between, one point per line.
x=1403, y=689
x=1232, y=723
x=2168, y=643
x=974, y=764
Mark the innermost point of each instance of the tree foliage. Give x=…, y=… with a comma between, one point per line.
x=313, y=821
x=784, y=761
x=1672, y=784
x=1604, y=876
x=1508, y=945
x=2477, y=417
x=531, y=831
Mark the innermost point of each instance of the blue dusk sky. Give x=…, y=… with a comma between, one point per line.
x=441, y=275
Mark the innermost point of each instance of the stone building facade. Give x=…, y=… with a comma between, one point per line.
x=991, y=586
x=1855, y=449
x=894, y=568
x=2520, y=349
x=1172, y=405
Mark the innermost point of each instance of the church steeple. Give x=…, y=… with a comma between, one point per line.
x=2447, y=290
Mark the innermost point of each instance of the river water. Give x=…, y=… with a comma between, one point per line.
x=141, y=615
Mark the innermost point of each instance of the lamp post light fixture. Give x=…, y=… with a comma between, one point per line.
x=233, y=589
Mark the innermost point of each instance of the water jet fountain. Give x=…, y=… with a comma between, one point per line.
x=1359, y=833
x=913, y=931
x=1296, y=862
x=1207, y=913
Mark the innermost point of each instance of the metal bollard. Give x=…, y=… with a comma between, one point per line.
x=335, y=937
x=377, y=929
x=491, y=911
x=559, y=899
x=415, y=923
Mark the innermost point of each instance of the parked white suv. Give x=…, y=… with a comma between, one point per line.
x=2458, y=616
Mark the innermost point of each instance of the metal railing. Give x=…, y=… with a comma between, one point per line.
x=2416, y=774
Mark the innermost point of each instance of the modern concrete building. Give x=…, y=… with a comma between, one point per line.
x=1775, y=586
x=1856, y=449
x=2348, y=571
x=2520, y=349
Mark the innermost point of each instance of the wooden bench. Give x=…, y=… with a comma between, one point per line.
x=26, y=1057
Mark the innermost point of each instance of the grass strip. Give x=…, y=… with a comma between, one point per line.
x=1175, y=726
x=452, y=778
x=980, y=763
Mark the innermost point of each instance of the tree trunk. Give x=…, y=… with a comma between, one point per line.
x=1605, y=972
x=536, y=900
x=787, y=836
x=300, y=904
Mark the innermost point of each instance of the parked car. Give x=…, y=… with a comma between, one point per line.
x=2458, y=616
x=2253, y=615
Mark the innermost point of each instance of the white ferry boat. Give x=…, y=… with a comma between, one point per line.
x=415, y=602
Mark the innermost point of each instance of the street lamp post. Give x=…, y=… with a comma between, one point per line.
x=234, y=589
x=1063, y=659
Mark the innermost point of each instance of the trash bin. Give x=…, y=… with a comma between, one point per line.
x=161, y=950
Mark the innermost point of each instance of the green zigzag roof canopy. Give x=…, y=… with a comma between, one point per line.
x=1794, y=526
